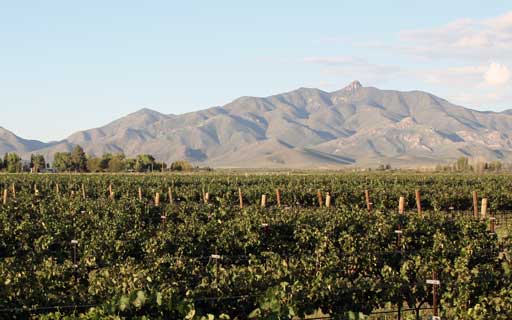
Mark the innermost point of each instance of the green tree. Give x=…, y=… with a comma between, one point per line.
x=94, y=164
x=462, y=164
x=144, y=162
x=181, y=165
x=12, y=162
x=129, y=164
x=496, y=166
x=105, y=160
x=116, y=163
x=78, y=159
x=62, y=161
x=37, y=162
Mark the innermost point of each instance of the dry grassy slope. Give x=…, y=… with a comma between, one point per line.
x=361, y=126
x=9, y=142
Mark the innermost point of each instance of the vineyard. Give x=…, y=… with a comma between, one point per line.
x=261, y=246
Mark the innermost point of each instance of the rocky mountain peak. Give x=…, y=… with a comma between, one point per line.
x=146, y=111
x=353, y=86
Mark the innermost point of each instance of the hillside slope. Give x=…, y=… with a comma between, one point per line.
x=361, y=126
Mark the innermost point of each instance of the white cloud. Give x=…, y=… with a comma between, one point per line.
x=483, y=86
x=479, y=39
x=497, y=74
x=484, y=44
x=479, y=76
x=482, y=100
x=453, y=76
x=503, y=22
x=467, y=61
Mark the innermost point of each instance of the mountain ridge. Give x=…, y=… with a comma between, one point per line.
x=303, y=128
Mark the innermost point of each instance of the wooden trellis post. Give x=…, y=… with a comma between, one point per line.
x=483, y=212
x=171, y=199
x=263, y=200
x=74, y=242
x=206, y=197
x=328, y=200
x=5, y=197
x=13, y=191
x=57, y=191
x=216, y=257
x=401, y=205
x=435, y=283
x=398, y=233
x=320, y=199
x=140, y=193
x=492, y=222
x=83, y=191
x=418, y=201
x=240, y=198
x=163, y=218
x=278, y=197
x=157, y=199
x=111, y=193
x=367, y=199
x=475, y=205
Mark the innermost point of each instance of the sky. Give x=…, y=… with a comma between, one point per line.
x=67, y=66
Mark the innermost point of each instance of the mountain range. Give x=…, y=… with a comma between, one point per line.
x=305, y=128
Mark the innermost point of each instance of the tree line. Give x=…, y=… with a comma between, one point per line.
x=463, y=164
x=78, y=161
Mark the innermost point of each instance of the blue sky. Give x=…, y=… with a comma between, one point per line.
x=67, y=66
